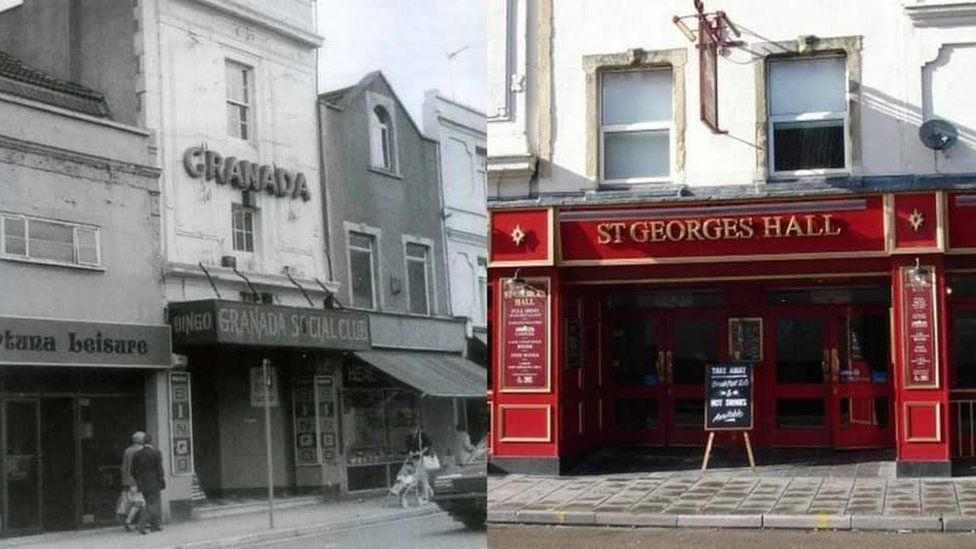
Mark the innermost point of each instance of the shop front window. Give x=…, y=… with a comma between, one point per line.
x=635, y=349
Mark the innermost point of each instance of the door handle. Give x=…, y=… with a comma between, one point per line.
x=659, y=366
x=670, y=367
x=825, y=365
x=834, y=365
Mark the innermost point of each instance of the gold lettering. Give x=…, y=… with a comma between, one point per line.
x=773, y=227
x=638, y=232
x=603, y=233
x=746, y=229
x=794, y=228
x=712, y=229
x=694, y=230
x=730, y=229
x=812, y=228
x=672, y=235
x=657, y=231
x=826, y=225
x=617, y=229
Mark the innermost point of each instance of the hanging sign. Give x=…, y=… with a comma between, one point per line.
x=261, y=390
x=728, y=402
x=525, y=333
x=918, y=325
x=181, y=423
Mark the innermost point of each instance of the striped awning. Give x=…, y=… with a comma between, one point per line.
x=432, y=373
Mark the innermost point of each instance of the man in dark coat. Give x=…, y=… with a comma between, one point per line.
x=147, y=469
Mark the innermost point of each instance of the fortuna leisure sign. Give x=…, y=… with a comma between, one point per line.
x=245, y=175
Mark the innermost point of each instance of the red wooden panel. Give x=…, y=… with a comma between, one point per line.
x=922, y=422
x=521, y=236
x=962, y=221
x=526, y=423
x=916, y=220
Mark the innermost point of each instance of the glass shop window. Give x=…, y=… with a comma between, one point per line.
x=807, y=114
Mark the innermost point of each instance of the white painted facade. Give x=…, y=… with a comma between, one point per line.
x=916, y=58
x=460, y=132
x=184, y=48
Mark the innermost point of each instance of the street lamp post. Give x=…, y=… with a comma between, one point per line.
x=265, y=366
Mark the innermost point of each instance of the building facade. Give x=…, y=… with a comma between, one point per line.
x=227, y=89
x=758, y=186
x=460, y=133
x=383, y=212
x=80, y=224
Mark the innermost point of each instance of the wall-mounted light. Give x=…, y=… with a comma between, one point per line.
x=917, y=276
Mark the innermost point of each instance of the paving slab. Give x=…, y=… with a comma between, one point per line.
x=895, y=523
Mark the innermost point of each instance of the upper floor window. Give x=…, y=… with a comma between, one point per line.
x=635, y=126
x=49, y=241
x=418, y=278
x=242, y=226
x=381, y=151
x=240, y=92
x=808, y=114
x=362, y=269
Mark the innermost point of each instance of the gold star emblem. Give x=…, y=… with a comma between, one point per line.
x=518, y=235
x=916, y=220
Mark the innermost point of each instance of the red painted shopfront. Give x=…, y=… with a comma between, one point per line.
x=857, y=311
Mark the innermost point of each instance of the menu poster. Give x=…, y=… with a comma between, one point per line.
x=728, y=402
x=918, y=322
x=745, y=339
x=525, y=333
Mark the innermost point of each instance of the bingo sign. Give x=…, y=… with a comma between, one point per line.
x=525, y=328
x=918, y=302
x=728, y=406
x=315, y=420
x=181, y=423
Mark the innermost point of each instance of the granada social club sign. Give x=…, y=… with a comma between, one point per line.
x=245, y=175
x=525, y=325
x=854, y=225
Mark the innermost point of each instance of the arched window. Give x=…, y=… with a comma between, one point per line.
x=381, y=139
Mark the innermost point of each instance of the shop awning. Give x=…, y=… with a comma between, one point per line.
x=435, y=374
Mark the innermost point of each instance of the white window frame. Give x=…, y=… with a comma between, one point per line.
x=248, y=106
x=428, y=270
x=806, y=117
x=628, y=128
x=97, y=265
x=375, y=265
x=246, y=210
x=374, y=100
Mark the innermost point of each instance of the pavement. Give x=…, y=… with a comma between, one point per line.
x=434, y=532
x=234, y=530
x=799, y=492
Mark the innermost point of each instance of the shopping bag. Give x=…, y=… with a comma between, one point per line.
x=136, y=499
x=431, y=463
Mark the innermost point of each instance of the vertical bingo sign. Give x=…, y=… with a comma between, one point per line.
x=181, y=428
x=314, y=416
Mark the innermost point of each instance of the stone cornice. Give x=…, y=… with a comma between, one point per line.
x=281, y=28
x=87, y=160
x=942, y=14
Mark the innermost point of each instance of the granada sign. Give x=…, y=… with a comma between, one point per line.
x=245, y=175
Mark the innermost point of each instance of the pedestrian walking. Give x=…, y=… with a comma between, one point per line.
x=130, y=500
x=147, y=469
x=462, y=445
x=419, y=447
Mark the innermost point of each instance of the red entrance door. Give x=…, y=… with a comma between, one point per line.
x=657, y=371
x=830, y=378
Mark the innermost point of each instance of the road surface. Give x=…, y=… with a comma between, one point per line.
x=430, y=532
x=548, y=537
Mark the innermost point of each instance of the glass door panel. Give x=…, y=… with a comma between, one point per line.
x=695, y=340
x=860, y=378
x=22, y=466
x=635, y=356
x=801, y=354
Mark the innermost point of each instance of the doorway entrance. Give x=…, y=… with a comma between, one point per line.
x=829, y=379
x=824, y=380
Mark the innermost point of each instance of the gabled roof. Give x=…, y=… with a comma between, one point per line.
x=18, y=79
x=343, y=97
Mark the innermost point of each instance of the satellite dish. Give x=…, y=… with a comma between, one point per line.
x=938, y=134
